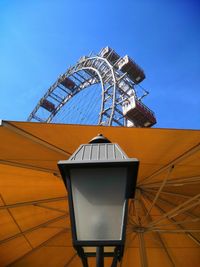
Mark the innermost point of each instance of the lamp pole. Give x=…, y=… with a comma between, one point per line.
x=100, y=257
x=99, y=178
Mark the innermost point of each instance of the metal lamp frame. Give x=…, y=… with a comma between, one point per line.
x=80, y=160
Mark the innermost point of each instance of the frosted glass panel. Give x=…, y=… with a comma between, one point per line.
x=99, y=200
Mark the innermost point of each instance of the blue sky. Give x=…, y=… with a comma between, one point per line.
x=40, y=39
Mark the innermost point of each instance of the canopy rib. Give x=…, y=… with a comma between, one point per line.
x=26, y=203
x=159, y=191
x=33, y=228
x=27, y=166
x=177, y=210
x=37, y=247
x=136, y=205
x=34, y=138
x=175, y=182
x=166, y=192
x=191, y=236
x=160, y=239
x=142, y=249
x=70, y=260
x=177, y=223
x=16, y=223
x=171, y=231
x=178, y=159
x=131, y=213
x=187, y=213
x=49, y=208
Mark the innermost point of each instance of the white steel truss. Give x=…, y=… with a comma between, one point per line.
x=117, y=87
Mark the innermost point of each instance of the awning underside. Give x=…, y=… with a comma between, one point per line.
x=163, y=228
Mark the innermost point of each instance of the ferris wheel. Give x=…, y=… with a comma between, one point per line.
x=100, y=89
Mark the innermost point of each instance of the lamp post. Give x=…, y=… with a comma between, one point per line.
x=100, y=179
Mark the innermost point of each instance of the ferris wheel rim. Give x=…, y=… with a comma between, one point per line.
x=67, y=100
x=120, y=103
x=68, y=74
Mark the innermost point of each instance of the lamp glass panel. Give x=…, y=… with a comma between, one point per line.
x=94, y=249
x=99, y=202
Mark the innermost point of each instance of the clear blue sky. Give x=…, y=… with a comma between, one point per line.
x=41, y=38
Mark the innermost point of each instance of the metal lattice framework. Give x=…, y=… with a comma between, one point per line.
x=116, y=86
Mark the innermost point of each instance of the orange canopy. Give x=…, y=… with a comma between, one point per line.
x=163, y=226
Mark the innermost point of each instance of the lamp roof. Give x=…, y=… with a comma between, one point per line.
x=99, y=139
x=98, y=151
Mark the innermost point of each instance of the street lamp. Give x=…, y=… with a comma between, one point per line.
x=100, y=179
